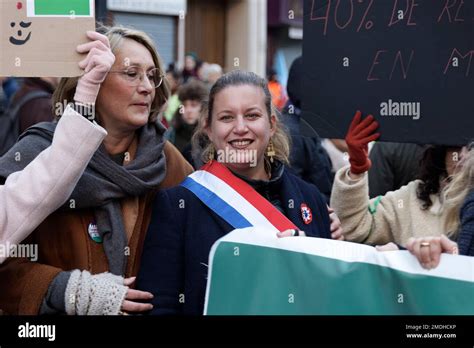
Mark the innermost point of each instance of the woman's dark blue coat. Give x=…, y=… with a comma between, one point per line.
x=182, y=231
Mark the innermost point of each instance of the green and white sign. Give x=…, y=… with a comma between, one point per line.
x=60, y=8
x=254, y=273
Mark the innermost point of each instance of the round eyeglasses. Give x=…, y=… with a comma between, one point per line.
x=134, y=76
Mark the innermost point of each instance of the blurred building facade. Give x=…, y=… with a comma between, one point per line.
x=285, y=35
x=163, y=20
x=231, y=33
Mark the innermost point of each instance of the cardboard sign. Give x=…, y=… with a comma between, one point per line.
x=407, y=62
x=39, y=37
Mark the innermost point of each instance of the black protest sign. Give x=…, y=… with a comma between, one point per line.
x=407, y=62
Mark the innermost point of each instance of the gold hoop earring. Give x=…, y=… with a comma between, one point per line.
x=270, y=151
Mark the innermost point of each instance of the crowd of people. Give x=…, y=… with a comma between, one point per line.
x=118, y=187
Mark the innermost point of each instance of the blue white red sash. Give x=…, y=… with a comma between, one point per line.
x=234, y=200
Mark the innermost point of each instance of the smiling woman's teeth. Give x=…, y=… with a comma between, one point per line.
x=241, y=143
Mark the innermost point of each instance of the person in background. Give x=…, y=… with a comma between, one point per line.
x=202, y=72
x=191, y=65
x=458, y=198
x=174, y=80
x=89, y=250
x=39, y=109
x=3, y=97
x=214, y=72
x=192, y=96
x=209, y=74
x=9, y=86
x=277, y=90
x=414, y=210
x=308, y=159
x=462, y=186
x=393, y=165
x=30, y=105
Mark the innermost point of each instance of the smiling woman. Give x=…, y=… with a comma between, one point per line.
x=233, y=192
x=89, y=249
x=255, y=124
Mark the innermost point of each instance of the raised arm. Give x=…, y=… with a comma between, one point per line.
x=32, y=194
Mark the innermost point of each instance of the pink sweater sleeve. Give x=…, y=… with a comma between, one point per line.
x=32, y=194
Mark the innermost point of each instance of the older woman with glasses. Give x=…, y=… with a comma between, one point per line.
x=89, y=249
x=135, y=76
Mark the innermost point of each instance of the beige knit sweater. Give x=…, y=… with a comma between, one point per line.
x=394, y=217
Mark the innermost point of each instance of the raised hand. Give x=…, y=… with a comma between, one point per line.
x=359, y=135
x=96, y=65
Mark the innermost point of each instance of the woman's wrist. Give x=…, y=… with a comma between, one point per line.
x=353, y=176
x=86, y=91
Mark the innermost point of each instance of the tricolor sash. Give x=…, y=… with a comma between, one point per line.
x=234, y=200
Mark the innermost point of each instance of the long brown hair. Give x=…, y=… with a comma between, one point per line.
x=432, y=172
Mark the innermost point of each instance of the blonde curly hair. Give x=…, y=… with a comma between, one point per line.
x=456, y=192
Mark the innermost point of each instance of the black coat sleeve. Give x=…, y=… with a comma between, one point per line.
x=162, y=263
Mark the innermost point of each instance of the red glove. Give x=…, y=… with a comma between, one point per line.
x=359, y=135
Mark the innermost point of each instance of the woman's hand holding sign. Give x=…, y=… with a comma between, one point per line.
x=428, y=250
x=96, y=65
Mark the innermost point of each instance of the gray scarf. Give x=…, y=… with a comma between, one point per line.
x=104, y=182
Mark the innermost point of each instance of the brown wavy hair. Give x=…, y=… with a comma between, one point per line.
x=432, y=172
